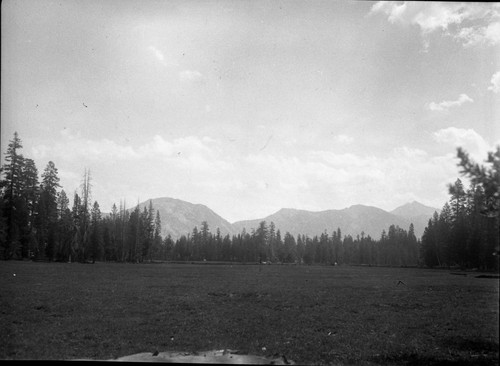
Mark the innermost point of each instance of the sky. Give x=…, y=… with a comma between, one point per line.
x=247, y=106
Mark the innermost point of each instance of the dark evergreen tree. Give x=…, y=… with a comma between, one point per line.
x=290, y=248
x=83, y=214
x=133, y=236
x=261, y=238
x=205, y=241
x=30, y=196
x=168, y=248
x=96, y=239
x=488, y=177
x=64, y=228
x=47, y=212
x=12, y=186
x=157, y=240
x=413, y=252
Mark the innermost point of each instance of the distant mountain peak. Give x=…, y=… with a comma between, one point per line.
x=363, y=208
x=288, y=211
x=179, y=217
x=414, y=209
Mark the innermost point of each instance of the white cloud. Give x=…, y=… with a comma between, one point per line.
x=453, y=19
x=492, y=33
x=343, y=139
x=321, y=179
x=495, y=82
x=468, y=139
x=190, y=75
x=409, y=153
x=40, y=151
x=472, y=36
x=159, y=55
x=447, y=104
x=428, y=16
x=189, y=145
x=75, y=148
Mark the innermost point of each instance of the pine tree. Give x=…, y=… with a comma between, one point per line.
x=204, y=241
x=217, y=245
x=113, y=234
x=442, y=233
x=76, y=249
x=3, y=225
x=31, y=188
x=290, y=247
x=412, y=246
x=65, y=226
x=95, y=232
x=133, y=236
x=84, y=215
x=261, y=237
x=280, y=247
x=157, y=240
x=271, y=242
x=13, y=204
x=47, y=211
x=300, y=249
x=168, y=248
x=488, y=177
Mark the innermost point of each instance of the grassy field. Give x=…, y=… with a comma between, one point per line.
x=311, y=314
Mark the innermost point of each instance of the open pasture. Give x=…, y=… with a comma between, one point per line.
x=310, y=314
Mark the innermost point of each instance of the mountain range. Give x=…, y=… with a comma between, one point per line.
x=180, y=217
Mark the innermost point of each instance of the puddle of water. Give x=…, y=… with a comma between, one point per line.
x=214, y=356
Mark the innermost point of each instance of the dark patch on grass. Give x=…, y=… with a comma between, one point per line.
x=412, y=359
x=472, y=345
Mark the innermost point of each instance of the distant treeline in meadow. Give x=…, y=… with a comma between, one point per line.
x=37, y=222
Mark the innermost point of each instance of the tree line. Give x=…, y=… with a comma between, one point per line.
x=266, y=244
x=36, y=221
x=466, y=232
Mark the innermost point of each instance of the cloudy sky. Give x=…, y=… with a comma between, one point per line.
x=251, y=106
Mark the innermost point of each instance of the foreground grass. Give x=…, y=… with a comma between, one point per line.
x=317, y=315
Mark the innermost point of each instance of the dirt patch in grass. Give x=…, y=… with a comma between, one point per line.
x=312, y=315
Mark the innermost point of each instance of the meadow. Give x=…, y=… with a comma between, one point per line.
x=311, y=314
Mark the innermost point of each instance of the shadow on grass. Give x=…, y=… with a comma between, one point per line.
x=480, y=353
x=413, y=359
x=472, y=345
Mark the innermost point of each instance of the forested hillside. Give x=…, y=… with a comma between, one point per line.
x=353, y=220
x=179, y=217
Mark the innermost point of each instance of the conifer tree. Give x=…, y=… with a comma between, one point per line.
x=290, y=248
x=157, y=240
x=84, y=215
x=488, y=177
x=13, y=204
x=47, y=214
x=261, y=237
x=95, y=232
x=65, y=227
